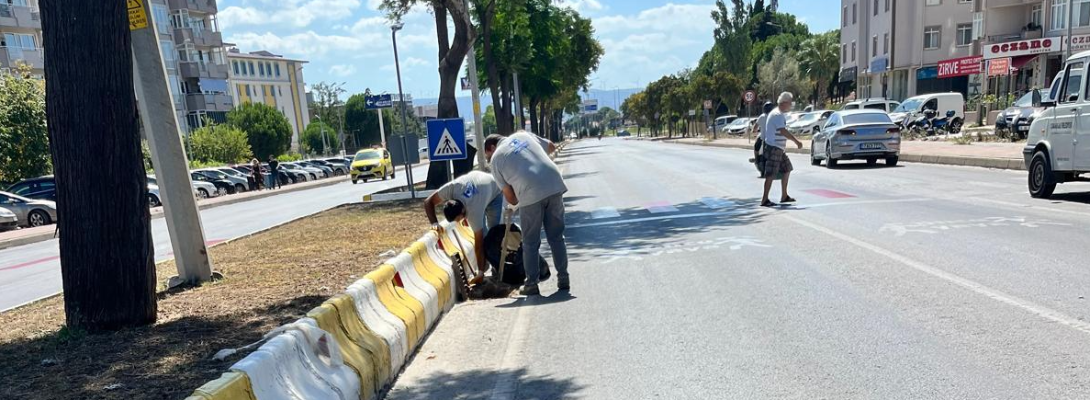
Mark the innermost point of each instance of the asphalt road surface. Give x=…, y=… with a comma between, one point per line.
x=33, y=271
x=913, y=282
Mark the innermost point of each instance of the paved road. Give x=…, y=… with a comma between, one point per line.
x=911, y=282
x=30, y=272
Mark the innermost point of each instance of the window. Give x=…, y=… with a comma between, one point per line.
x=261, y=69
x=234, y=64
x=277, y=66
x=853, y=51
x=931, y=37
x=251, y=64
x=843, y=53
x=965, y=1
x=844, y=18
x=278, y=89
x=875, y=106
x=934, y=2
x=248, y=93
x=263, y=92
x=874, y=45
x=1082, y=13
x=875, y=7
x=19, y=41
x=854, y=9
x=887, y=5
x=965, y=34
x=885, y=44
x=978, y=25
x=1035, y=15
x=167, y=48
x=1059, y=15
x=161, y=15
x=1073, y=86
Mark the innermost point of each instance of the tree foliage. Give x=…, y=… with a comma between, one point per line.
x=819, y=60
x=24, y=140
x=361, y=123
x=732, y=36
x=267, y=130
x=781, y=74
x=223, y=144
x=313, y=142
x=327, y=102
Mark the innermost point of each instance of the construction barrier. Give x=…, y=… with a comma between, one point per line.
x=353, y=345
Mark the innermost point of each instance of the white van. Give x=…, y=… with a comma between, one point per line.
x=1058, y=144
x=871, y=104
x=722, y=122
x=941, y=103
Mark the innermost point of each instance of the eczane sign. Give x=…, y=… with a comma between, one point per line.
x=1023, y=47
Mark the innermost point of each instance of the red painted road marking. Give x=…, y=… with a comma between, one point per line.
x=829, y=194
x=29, y=263
x=660, y=207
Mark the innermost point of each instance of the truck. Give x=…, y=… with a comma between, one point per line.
x=1057, y=146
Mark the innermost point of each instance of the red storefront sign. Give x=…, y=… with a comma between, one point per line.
x=1023, y=47
x=999, y=66
x=959, y=66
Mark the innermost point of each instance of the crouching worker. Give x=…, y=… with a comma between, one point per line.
x=475, y=197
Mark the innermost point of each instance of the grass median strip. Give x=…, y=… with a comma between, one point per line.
x=272, y=278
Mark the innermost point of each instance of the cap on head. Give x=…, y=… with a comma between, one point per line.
x=768, y=107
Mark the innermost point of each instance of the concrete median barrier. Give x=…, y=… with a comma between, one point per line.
x=410, y=311
x=301, y=362
x=361, y=349
x=416, y=286
x=381, y=321
x=230, y=386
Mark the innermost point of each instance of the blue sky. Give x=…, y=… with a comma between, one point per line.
x=349, y=40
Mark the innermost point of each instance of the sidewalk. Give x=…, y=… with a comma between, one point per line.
x=988, y=155
x=26, y=236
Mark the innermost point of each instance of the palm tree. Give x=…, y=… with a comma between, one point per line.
x=819, y=58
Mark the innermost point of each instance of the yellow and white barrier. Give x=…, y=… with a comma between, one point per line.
x=302, y=362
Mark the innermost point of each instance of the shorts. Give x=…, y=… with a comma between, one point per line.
x=776, y=162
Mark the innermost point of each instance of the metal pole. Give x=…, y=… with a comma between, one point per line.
x=381, y=128
x=1070, y=18
x=404, y=124
x=478, y=121
x=518, y=102
x=171, y=169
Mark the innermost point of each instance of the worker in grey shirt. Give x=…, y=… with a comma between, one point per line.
x=529, y=179
x=474, y=196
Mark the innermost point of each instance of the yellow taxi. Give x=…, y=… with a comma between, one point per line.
x=372, y=163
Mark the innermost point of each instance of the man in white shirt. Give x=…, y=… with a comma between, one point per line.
x=473, y=196
x=775, y=136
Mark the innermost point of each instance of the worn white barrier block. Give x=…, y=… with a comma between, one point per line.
x=431, y=243
x=417, y=286
x=381, y=321
x=301, y=362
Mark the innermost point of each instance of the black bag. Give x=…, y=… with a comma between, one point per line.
x=513, y=272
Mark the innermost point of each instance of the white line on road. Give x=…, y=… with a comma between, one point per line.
x=507, y=384
x=604, y=212
x=664, y=217
x=1042, y=311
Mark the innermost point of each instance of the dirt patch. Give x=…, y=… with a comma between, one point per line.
x=271, y=278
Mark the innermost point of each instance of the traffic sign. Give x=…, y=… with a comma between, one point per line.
x=590, y=106
x=692, y=112
x=447, y=139
x=707, y=104
x=750, y=96
x=378, y=101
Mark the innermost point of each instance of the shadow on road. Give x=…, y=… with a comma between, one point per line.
x=1077, y=197
x=478, y=384
x=557, y=297
x=861, y=165
x=578, y=175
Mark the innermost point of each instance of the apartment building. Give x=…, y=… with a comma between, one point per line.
x=21, y=36
x=270, y=79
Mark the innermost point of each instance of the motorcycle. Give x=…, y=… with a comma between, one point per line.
x=938, y=124
x=920, y=125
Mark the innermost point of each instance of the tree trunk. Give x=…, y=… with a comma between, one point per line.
x=495, y=79
x=534, y=125
x=451, y=55
x=105, y=247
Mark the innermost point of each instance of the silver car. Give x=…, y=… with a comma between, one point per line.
x=857, y=135
x=29, y=212
x=8, y=220
x=241, y=184
x=809, y=123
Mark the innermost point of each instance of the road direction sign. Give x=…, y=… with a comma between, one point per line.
x=447, y=139
x=750, y=96
x=590, y=106
x=692, y=112
x=378, y=101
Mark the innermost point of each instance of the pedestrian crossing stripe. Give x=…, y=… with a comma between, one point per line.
x=447, y=145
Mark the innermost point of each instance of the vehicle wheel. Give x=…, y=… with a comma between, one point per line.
x=872, y=161
x=354, y=181
x=830, y=162
x=892, y=161
x=239, y=188
x=313, y=177
x=37, y=218
x=202, y=194
x=393, y=174
x=364, y=180
x=1041, y=182
x=813, y=157
x=153, y=201
x=955, y=126
x=815, y=131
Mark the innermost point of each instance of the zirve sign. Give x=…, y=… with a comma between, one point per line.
x=960, y=66
x=138, y=18
x=446, y=139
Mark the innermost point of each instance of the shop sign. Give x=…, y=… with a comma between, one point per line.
x=1023, y=47
x=959, y=66
x=999, y=66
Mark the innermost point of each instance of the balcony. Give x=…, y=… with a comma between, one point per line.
x=208, y=102
x=193, y=69
x=20, y=17
x=12, y=56
x=198, y=37
x=1010, y=3
x=1007, y=37
x=204, y=6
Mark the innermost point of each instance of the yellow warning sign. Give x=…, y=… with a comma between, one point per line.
x=138, y=18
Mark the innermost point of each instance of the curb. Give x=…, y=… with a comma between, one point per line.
x=984, y=162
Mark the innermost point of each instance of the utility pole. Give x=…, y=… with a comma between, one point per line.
x=171, y=169
x=518, y=102
x=401, y=98
x=381, y=128
x=478, y=122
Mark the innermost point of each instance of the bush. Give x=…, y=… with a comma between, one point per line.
x=24, y=140
x=223, y=144
x=289, y=157
x=312, y=138
x=267, y=130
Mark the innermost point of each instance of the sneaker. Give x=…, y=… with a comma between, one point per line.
x=563, y=283
x=529, y=290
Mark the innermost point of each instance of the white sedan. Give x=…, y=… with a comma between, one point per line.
x=809, y=123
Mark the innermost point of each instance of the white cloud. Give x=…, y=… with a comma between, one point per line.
x=415, y=62
x=582, y=6
x=307, y=44
x=296, y=13
x=342, y=70
x=675, y=18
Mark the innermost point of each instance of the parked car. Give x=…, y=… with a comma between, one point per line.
x=1056, y=148
x=871, y=104
x=857, y=135
x=423, y=153
x=327, y=170
x=29, y=212
x=293, y=175
x=810, y=123
x=623, y=133
x=722, y=121
x=154, y=198
x=203, y=190
x=913, y=108
x=372, y=163
x=340, y=163
x=41, y=188
x=737, y=127
x=240, y=184
x=312, y=173
x=793, y=116
x=240, y=173
x=1017, y=118
x=8, y=220
x=222, y=185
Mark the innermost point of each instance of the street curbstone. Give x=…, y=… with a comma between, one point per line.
x=232, y=385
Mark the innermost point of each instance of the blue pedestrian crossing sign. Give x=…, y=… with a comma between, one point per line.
x=446, y=139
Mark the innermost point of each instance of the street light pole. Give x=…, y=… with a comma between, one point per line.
x=401, y=97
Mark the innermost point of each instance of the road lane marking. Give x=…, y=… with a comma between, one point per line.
x=604, y=212
x=507, y=384
x=29, y=263
x=734, y=243
x=660, y=207
x=829, y=194
x=1034, y=308
x=716, y=203
x=932, y=227
x=659, y=218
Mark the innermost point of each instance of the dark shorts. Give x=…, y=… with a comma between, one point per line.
x=776, y=162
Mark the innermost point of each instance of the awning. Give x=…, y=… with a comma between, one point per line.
x=213, y=85
x=1020, y=61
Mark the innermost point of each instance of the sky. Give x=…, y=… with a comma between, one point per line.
x=349, y=40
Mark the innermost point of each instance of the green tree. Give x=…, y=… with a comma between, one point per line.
x=24, y=140
x=327, y=101
x=219, y=144
x=732, y=36
x=312, y=138
x=361, y=123
x=720, y=87
x=819, y=60
x=781, y=74
x=266, y=128
x=488, y=121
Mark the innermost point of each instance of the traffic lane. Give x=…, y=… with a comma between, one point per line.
x=31, y=272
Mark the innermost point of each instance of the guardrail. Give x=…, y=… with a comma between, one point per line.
x=354, y=344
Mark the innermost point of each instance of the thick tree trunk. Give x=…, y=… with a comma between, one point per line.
x=495, y=79
x=508, y=125
x=105, y=244
x=535, y=126
x=451, y=55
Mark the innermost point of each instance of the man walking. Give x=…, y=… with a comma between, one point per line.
x=758, y=131
x=775, y=136
x=474, y=196
x=274, y=173
x=529, y=179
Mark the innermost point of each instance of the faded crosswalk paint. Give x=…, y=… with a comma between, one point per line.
x=661, y=207
x=604, y=212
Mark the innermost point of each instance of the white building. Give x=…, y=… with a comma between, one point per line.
x=270, y=79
